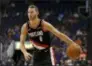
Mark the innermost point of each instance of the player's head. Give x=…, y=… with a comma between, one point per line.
x=32, y=12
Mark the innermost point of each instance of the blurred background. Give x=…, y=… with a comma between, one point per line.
x=68, y=16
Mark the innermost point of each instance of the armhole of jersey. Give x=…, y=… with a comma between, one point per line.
x=43, y=27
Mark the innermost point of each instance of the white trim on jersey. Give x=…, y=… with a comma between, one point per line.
x=52, y=56
x=38, y=47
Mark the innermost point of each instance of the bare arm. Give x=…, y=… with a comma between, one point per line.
x=47, y=26
x=23, y=37
x=73, y=48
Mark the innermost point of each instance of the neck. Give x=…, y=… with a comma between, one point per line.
x=35, y=20
x=34, y=23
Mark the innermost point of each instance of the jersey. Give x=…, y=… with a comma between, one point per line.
x=39, y=38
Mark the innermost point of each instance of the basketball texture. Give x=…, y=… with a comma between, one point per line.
x=73, y=51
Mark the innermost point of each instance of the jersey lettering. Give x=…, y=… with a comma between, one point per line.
x=35, y=34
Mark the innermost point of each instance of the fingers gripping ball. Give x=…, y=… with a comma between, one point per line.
x=73, y=51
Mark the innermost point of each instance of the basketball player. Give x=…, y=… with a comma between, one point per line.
x=38, y=31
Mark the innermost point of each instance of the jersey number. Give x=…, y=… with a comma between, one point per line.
x=40, y=38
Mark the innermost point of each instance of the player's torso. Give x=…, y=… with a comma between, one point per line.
x=39, y=37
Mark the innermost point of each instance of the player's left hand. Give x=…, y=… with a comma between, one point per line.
x=73, y=51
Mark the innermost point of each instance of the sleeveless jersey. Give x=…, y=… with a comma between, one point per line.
x=39, y=38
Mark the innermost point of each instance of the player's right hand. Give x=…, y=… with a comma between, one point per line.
x=27, y=56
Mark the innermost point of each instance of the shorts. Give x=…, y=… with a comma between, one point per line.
x=44, y=57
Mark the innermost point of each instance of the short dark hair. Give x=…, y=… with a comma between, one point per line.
x=33, y=6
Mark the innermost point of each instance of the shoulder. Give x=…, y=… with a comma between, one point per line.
x=45, y=23
x=24, y=26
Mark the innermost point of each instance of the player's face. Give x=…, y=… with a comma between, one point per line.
x=32, y=13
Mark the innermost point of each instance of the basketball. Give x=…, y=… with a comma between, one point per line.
x=73, y=51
